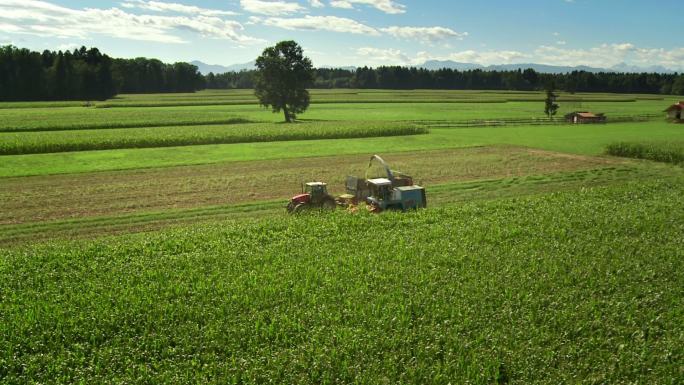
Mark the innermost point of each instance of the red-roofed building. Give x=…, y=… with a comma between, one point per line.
x=585, y=117
x=675, y=111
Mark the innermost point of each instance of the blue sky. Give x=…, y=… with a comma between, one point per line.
x=601, y=33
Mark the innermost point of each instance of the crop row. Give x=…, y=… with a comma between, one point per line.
x=125, y=122
x=668, y=152
x=582, y=286
x=86, y=140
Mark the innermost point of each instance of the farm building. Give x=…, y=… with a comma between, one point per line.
x=675, y=111
x=585, y=117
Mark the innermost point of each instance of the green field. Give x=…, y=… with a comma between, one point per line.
x=144, y=240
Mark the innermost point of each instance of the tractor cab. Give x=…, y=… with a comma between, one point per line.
x=317, y=191
x=380, y=192
x=380, y=188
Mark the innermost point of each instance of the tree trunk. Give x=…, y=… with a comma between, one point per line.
x=288, y=119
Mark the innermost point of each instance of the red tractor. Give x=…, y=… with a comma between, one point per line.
x=314, y=196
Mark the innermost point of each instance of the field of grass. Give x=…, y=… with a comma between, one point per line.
x=561, y=288
x=543, y=257
x=87, y=140
x=668, y=152
x=74, y=118
x=344, y=96
x=584, y=140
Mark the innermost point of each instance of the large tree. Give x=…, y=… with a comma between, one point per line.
x=282, y=78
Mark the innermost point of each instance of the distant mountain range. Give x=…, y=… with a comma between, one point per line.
x=205, y=68
x=439, y=64
x=543, y=68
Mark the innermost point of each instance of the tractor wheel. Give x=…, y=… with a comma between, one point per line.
x=300, y=208
x=290, y=207
x=329, y=205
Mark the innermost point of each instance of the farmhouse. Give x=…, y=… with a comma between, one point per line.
x=585, y=117
x=675, y=111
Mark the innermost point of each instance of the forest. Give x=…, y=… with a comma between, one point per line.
x=408, y=78
x=88, y=74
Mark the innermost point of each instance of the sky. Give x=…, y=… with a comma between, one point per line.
x=598, y=33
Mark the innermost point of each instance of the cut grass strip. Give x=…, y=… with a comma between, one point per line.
x=88, y=140
x=105, y=125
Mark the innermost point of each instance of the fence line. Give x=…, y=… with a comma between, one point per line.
x=526, y=121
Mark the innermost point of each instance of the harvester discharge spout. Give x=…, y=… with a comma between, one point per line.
x=390, y=173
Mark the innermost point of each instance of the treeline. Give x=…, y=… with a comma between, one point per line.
x=81, y=74
x=87, y=74
x=229, y=80
x=399, y=78
x=141, y=75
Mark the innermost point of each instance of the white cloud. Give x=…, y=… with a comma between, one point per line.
x=341, y=4
x=605, y=55
x=669, y=58
x=319, y=23
x=428, y=34
x=384, y=56
x=387, y=6
x=346, y=25
x=380, y=56
x=488, y=57
x=68, y=47
x=42, y=18
x=316, y=3
x=271, y=8
x=610, y=55
x=159, y=6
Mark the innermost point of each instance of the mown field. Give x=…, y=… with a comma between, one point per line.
x=144, y=240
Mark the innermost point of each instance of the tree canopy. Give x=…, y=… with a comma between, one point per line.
x=282, y=78
x=87, y=74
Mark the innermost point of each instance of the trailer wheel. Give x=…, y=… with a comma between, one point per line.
x=374, y=208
